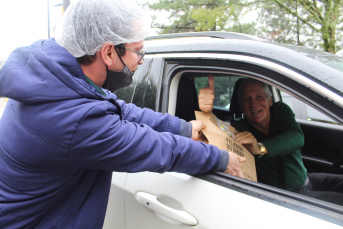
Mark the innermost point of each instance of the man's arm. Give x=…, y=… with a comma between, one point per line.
x=160, y=122
x=289, y=138
x=105, y=142
x=191, y=129
x=156, y=120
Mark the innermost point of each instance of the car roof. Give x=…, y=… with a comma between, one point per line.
x=299, y=59
x=212, y=34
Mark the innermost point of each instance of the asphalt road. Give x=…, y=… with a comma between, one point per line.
x=3, y=102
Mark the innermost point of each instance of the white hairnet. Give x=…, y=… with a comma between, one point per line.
x=89, y=24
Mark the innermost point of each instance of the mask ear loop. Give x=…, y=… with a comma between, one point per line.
x=114, y=102
x=115, y=48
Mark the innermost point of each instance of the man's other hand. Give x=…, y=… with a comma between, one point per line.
x=206, y=96
x=197, y=126
x=234, y=168
x=248, y=141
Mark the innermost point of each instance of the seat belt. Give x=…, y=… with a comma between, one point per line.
x=280, y=172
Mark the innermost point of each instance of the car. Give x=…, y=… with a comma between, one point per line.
x=175, y=67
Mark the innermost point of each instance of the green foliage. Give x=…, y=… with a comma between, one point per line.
x=323, y=18
x=282, y=27
x=315, y=24
x=207, y=19
x=202, y=15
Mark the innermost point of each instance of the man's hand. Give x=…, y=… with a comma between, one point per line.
x=206, y=96
x=234, y=168
x=197, y=126
x=249, y=142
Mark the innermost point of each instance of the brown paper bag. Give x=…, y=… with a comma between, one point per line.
x=214, y=135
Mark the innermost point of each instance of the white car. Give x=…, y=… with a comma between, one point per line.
x=175, y=68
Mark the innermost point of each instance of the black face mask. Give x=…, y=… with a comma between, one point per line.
x=116, y=80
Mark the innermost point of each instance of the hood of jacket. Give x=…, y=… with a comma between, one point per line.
x=44, y=72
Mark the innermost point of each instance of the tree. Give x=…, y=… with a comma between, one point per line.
x=322, y=16
x=282, y=27
x=203, y=15
x=315, y=23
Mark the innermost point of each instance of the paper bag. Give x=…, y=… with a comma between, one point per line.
x=214, y=135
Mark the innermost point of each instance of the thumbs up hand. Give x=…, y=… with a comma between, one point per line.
x=206, y=96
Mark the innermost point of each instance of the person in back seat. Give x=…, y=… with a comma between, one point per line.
x=271, y=133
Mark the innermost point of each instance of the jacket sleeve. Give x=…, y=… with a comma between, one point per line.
x=290, y=136
x=107, y=143
x=157, y=121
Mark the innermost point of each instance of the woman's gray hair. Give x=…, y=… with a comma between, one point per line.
x=247, y=81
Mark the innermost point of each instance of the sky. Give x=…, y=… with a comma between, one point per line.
x=24, y=21
x=21, y=23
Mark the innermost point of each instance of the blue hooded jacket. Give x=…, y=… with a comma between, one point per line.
x=60, y=140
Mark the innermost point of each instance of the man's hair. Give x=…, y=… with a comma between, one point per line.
x=89, y=59
x=86, y=59
x=248, y=81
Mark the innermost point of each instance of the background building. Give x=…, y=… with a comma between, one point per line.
x=2, y=62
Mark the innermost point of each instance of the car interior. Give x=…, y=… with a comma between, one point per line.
x=323, y=149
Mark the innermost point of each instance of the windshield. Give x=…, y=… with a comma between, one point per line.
x=330, y=59
x=333, y=61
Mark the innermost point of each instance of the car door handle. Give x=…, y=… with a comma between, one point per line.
x=150, y=201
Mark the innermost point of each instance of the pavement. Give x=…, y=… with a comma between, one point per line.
x=3, y=102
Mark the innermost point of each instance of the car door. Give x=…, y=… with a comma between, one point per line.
x=174, y=200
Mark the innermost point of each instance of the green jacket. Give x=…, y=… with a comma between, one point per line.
x=285, y=139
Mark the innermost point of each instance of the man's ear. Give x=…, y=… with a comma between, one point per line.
x=107, y=53
x=270, y=101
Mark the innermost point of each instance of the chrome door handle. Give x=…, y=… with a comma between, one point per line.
x=150, y=201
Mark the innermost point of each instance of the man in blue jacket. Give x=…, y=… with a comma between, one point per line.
x=62, y=133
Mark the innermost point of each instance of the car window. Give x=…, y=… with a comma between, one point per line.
x=223, y=86
x=142, y=91
x=126, y=92
x=304, y=111
x=146, y=87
